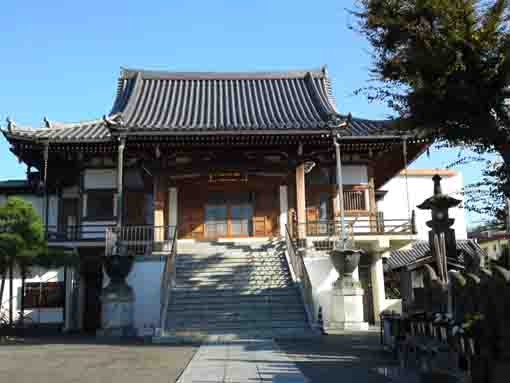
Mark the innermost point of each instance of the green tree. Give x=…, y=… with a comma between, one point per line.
x=22, y=240
x=444, y=67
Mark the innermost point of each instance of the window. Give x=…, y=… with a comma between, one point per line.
x=100, y=205
x=44, y=295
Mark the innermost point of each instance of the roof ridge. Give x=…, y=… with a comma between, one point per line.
x=127, y=73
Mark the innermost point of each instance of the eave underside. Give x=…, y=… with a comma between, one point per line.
x=384, y=155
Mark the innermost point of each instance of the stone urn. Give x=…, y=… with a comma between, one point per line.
x=117, y=314
x=346, y=305
x=345, y=261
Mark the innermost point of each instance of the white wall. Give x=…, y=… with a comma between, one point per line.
x=145, y=280
x=394, y=205
x=322, y=276
x=354, y=174
x=100, y=178
x=44, y=315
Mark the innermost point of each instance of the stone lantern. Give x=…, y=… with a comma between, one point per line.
x=442, y=236
x=442, y=246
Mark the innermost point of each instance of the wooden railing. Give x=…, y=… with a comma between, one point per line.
x=139, y=239
x=168, y=280
x=367, y=225
x=300, y=276
x=326, y=232
x=355, y=200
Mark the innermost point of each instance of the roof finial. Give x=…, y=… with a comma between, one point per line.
x=335, y=121
x=114, y=120
x=10, y=124
x=47, y=122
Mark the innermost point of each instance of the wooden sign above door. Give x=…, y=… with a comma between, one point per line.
x=227, y=176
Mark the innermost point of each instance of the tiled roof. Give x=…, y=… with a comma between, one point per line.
x=95, y=130
x=223, y=101
x=13, y=184
x=421, y=249
x=152, y=102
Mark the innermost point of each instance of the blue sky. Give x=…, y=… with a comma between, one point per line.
x=60, y=59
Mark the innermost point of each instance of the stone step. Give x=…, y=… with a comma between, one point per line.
x=220, y=293
x=229, y=253
x=230, y=273
x=237, y=324
x=232, y=316
x=235, y=300
x=253, y=288
x=225, y=250
x=290, y=301
x=240, y=284
x=208, y=261
x=233, y=267
x=220, y=337
x=239, y=307
x=234, y=288
x=232, y=313
x=225, y=278
x=231, y=284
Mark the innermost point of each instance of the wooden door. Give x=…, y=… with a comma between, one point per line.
x=266, y=213
x=191, y=213
x=134, y=208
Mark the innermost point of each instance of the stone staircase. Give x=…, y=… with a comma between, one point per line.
x=233, y=290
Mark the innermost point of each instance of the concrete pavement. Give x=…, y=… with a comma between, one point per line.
x=91, y=361
x=241, y=361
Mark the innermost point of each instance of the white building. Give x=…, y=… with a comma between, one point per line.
x=44, y=289
x=411, y=187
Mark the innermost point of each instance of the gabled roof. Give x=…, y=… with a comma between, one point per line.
x=420, y=250
x=160, y=102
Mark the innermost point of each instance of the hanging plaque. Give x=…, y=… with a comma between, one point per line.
x=227, y=176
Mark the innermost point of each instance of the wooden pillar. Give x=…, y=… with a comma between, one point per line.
x=301, y=201
x=284, y=210
x=120, y=180
x=159, y=208
x=46, y=195
x=173, y=210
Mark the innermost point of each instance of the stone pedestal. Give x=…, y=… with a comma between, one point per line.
x=117, y=315
x=346, y=310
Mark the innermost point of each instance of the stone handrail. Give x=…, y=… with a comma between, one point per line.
x=168, y=280
x=300, y=277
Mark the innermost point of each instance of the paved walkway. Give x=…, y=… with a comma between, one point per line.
x=354, y=357
x=242, y=361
